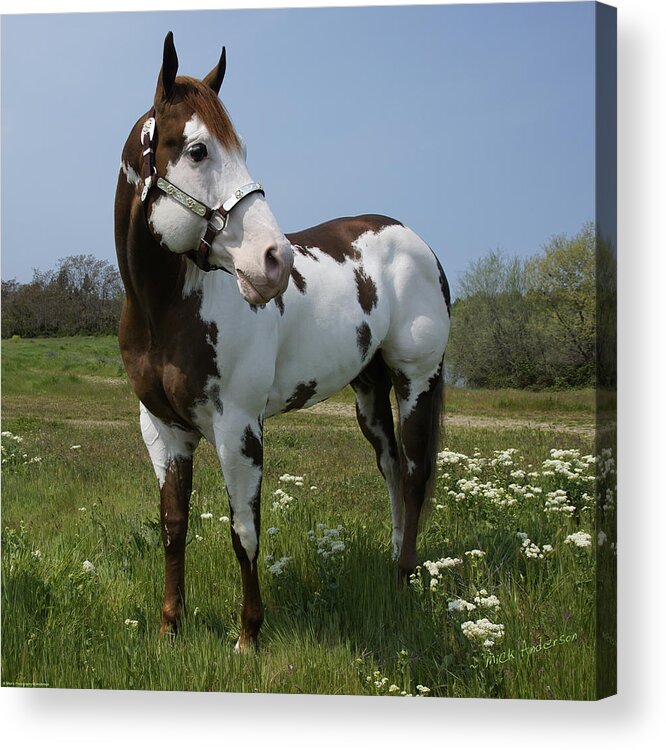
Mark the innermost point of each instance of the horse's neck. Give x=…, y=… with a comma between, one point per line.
x=153, y=277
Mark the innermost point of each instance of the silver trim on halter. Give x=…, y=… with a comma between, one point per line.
x=251, y=187
x=148, y=129
x=187, y=201
x=183, y=198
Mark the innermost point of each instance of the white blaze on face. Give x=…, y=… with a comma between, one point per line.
x=251, y=233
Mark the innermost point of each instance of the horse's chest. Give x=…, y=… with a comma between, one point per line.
x=172, y=383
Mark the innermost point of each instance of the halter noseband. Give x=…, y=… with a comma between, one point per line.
x=216, y=217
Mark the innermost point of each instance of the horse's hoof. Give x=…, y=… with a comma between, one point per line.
x=404, y=575
x=246, y=645
x=168, y=630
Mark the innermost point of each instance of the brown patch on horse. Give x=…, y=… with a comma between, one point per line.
x=174, y=512
x=400, y=385
x=363, y=339
x=335, y=238
x=298, y=280
x=366, y=290
x=301, y=395
x=252, y=447
x=419, y=437
x=170, y=367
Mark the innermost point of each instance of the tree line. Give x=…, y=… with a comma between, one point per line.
x=82, y=295
x=533, y=323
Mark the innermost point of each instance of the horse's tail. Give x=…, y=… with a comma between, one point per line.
x=435, y=429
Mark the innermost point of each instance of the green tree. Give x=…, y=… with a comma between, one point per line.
x=528, y=323
x=81, y=295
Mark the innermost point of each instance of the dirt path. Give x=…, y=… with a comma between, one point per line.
x=459, y=420
x=104, y=380
x=347, y=411
x=98, y=422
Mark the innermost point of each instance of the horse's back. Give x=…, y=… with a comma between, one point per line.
x=336, y=237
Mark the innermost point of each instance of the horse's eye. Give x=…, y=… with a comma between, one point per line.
x=198, y=152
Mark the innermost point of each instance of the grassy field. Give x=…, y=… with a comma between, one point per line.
x=82, y=556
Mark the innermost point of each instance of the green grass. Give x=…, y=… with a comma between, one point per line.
x=330, y=622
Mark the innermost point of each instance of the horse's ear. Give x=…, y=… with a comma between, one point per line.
x=216, y=76
x=168, y=73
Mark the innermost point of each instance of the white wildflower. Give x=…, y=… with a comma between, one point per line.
x=278, y=567
x=531, y=550
x=579, y=539
x=460, y=605
x=482, y=630
x=298, y=481
x=483, y=599
x=328, y=541
x=449, y=457
x=435, y=567
x=88, y=567
x=283, y=502
x=132, y=624
x=206, y=516
x=475, y=553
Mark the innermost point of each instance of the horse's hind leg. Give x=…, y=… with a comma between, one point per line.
x=171, y=450
x=375, y=417
x=419, y=405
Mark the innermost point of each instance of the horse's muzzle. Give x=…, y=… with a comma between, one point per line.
x=263, y=283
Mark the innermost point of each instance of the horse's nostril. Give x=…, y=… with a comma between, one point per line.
x=272, y=264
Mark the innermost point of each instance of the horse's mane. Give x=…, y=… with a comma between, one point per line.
x=203, y=100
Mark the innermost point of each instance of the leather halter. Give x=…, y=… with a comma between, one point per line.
x=216, y=218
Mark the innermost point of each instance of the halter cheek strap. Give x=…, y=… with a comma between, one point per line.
x=216, y=217
x=148, y=168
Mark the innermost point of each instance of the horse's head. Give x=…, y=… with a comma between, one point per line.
x=196, y=152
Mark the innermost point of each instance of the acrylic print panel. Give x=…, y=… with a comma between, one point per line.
x=476, y=127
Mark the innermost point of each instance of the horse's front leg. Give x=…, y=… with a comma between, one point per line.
x=240, y=448
x=171, y=450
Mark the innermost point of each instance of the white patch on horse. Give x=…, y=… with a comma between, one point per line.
x=165, y=443
x=130, y=175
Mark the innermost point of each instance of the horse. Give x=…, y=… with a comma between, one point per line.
x=227, y=321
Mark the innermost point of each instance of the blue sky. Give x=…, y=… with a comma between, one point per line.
x=473, y=124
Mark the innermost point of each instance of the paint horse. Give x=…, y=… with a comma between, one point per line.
x=227, y=321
